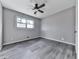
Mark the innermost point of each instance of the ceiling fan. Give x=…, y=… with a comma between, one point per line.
x=37, y=8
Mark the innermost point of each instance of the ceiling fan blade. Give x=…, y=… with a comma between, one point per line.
x=35, y=12
x=41, y=6
x=41, y=11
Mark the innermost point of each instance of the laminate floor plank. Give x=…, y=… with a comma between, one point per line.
x=37, y=49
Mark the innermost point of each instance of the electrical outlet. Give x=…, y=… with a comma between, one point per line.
x=28, y=37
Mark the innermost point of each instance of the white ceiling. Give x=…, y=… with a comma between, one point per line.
x=25, y=6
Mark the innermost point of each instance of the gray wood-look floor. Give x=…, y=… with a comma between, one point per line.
x=38, y=49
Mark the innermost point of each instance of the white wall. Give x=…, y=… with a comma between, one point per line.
x=0, y=26
x=13, y=34
x=60, y=26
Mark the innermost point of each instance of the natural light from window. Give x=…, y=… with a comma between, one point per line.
x=30, y=24
x=23, y=23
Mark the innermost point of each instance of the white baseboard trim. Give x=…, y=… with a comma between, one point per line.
x=20, y=40
x=60, y=41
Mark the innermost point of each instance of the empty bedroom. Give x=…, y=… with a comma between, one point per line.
x=38, y=29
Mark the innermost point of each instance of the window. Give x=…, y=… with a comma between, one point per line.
x=30, y=24
x=21, y=22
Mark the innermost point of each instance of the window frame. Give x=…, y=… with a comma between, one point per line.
x=25, y=23
x=31, y=24
x=20, y=22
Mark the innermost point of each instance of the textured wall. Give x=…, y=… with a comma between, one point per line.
x=13, y=34
x=0, y=25
x=60, y=26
